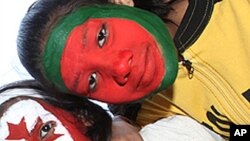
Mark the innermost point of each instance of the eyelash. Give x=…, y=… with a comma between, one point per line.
x=102, y=36
x=50, y=125
x=91, y=86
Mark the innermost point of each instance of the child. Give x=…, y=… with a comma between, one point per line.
x=28, y=112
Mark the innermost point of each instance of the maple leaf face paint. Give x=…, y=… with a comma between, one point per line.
x=110, y=53
x=32, y=119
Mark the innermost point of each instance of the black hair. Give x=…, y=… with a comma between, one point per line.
x=158, y=7
x=35, y=28
x=83, y=109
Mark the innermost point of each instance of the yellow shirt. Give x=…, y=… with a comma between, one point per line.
x=218, y=93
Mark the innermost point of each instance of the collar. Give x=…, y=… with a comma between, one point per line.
x=194, y=22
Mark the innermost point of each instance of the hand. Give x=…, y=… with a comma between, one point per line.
x=123, y=2
x=122, y=130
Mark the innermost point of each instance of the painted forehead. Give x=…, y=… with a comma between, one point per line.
x=11, y=93
x=57, y=39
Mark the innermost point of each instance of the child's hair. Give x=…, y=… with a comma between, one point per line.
x=83, y=109
x=158, y=7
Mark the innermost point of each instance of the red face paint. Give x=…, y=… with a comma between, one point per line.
x=68, y=121
x=112, y=60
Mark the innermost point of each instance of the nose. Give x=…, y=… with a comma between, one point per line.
x=122, y=67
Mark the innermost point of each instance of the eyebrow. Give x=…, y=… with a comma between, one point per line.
x=84, y=38
x=76, y=80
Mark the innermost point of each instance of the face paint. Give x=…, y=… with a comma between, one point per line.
x=36, y=120
x=11, y=93
x=149, y=45
x=133, y=64
x=39, y=132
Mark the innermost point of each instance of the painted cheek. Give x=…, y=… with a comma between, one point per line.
x=69, y=122
x=80, y=48
x=71, y=62
x=76, y=131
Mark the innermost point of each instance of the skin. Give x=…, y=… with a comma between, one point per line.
x=121, y=127
x=37, y=120
x=176, y=16
x=136, y=64
x=123, y=2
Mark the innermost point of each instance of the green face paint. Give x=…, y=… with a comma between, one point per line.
x=153, y=24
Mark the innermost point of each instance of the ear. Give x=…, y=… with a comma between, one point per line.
x=123, y=2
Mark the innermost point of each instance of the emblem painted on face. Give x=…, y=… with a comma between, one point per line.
x=25, y=115
x=19, y=131
x=37, y=121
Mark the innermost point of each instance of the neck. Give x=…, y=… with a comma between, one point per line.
x=176, y=15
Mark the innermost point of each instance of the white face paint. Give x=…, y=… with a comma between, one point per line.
x=8, y=94
x=30, y=110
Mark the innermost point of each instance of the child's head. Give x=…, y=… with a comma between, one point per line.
x=107, y=52
x=28, y=112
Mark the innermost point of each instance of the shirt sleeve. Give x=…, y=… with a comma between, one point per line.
x=178, y=128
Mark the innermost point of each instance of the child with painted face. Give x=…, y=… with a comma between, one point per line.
x=107, y=52
x=28, y=112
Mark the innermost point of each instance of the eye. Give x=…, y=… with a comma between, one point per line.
x=47, y=128
x=102, y=36
x=92, y=81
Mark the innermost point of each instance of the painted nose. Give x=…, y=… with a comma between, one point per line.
x=122, y=67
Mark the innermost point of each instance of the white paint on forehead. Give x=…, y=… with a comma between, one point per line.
x=11, y=93
x=30, y=110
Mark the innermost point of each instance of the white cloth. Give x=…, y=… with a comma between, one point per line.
x=178, y=128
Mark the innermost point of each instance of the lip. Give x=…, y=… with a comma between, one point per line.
x=148, y=69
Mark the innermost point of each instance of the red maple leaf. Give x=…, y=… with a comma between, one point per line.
x=19, y=131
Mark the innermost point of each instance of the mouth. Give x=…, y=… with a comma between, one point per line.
x=148, y=68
